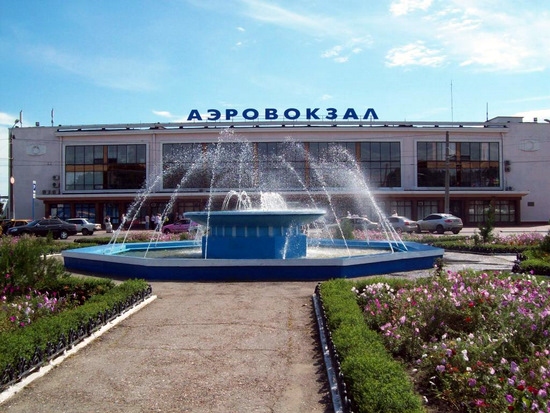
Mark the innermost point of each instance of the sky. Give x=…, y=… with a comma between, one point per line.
x=132, y=61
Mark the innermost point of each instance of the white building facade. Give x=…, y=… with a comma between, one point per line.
x=94, y=171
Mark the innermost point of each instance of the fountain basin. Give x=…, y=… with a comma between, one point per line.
x=255, y=234
x=107, y=260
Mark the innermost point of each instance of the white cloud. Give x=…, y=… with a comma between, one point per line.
x=402, y=7
x=483, y=35
x=7, y=120
x=175, y=118
x=335, y=51
x=540, y=114
x=326, y=97
x=163, y=114
x=271, y=13
x=241, y=29
x=115, y=73
x=341, y=53
x=490, y=36
x=414, y=54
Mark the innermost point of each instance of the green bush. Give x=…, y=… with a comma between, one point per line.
x=23, y=342
x=479, y=248
x=23, y=264
x=376, y=381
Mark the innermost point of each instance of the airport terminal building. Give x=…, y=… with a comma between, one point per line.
x=94, y=171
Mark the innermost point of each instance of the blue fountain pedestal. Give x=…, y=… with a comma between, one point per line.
x=253, y=246
x=253, y=234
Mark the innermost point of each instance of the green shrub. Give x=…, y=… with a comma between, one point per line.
x=346, y=228
x=479, y=247
x=377, y=382
x=24, y=341
x=23, y=264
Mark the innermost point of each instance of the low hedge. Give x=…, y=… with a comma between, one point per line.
x=479, y=248
x=377, y=382
x=534, y=260
x=21, y=344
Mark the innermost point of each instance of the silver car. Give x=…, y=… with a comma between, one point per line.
x=360, y=223
x=440, y=223
x=402, y=224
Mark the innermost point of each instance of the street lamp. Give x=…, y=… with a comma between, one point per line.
x=10, y=168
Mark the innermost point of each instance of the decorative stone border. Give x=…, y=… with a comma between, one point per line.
x=341, y=401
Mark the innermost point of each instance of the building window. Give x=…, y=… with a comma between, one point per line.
x=100, y=167
x=403, y=208
x=329, y=163
x=85, y=211
x=62, y=211
x=381, y=163
x=505, y=211
x=471, y=164
x=183, y=166
x=281, y=165
x=425, y=208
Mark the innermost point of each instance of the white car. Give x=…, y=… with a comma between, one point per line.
x=83, y=225
x=360, y=223
x=440, y=223
x=402, y=224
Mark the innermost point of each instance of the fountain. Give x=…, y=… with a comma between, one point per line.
x=250, y=243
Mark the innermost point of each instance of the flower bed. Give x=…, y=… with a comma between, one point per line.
x=374, y=381
x=28, y=345
x=473, y=341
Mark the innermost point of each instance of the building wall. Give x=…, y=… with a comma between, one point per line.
x=527, y=148
x=38, y=154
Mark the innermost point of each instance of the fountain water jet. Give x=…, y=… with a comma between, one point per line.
x=262, y=243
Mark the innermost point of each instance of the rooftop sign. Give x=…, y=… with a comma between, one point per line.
x=287, y=114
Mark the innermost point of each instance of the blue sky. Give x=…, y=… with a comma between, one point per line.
x=129, y=61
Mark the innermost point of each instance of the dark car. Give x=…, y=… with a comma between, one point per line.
x=42, y=227
x=440, y=223
x=10, y=223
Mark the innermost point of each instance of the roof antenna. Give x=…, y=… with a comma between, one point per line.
x=487, y=112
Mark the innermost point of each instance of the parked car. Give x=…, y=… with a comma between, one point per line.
x=83, y=225
x=402, y=224
x=359, y=222
x=181, y=225
x=42, y=227
x=440, y=223
x=10, y=223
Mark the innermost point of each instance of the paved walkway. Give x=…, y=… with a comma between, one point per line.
x=205, y=347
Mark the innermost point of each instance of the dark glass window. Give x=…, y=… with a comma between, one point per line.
x=425, y=208
x=86, y=168
x=85, y=210
x=184, y=166
x=471, y=164
x=381, y=163
x=330, y=164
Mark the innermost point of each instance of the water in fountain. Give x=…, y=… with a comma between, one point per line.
x=253, y=191
x=232, y=168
